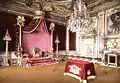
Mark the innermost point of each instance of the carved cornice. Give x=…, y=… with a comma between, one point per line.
x=56, y=11
x=105, y=6
x=19, y=7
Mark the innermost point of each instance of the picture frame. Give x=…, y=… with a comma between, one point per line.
x=114, y=24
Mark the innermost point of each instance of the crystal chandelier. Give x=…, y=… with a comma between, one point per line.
x=80, y=19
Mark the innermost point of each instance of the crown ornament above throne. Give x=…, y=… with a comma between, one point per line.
x=39, y=14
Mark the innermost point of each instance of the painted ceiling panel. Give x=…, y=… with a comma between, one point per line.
x=57, y=11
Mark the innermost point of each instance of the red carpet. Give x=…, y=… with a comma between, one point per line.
x=40, y=61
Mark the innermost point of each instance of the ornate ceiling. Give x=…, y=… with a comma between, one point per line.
x=57, y=11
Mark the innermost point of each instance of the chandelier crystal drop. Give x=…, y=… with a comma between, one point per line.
x=80, y=19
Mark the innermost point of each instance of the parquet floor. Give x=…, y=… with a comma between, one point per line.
x=54, y=74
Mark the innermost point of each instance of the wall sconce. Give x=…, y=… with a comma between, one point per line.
x=115, y=44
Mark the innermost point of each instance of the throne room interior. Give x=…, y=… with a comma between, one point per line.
x=41, y=37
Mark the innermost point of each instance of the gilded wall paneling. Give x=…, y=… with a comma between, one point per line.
x=88, y=47
x=101, y=29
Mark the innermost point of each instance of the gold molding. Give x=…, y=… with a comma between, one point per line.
x=39, y=14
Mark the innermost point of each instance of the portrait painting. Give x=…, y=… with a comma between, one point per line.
x=114, y=23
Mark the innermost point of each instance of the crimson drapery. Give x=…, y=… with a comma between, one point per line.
x=38, y=37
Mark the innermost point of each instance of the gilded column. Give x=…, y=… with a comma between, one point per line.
x=67, y=41
x=78, y=43
x=20, y=23
x=52, y=26
x=98, y=37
